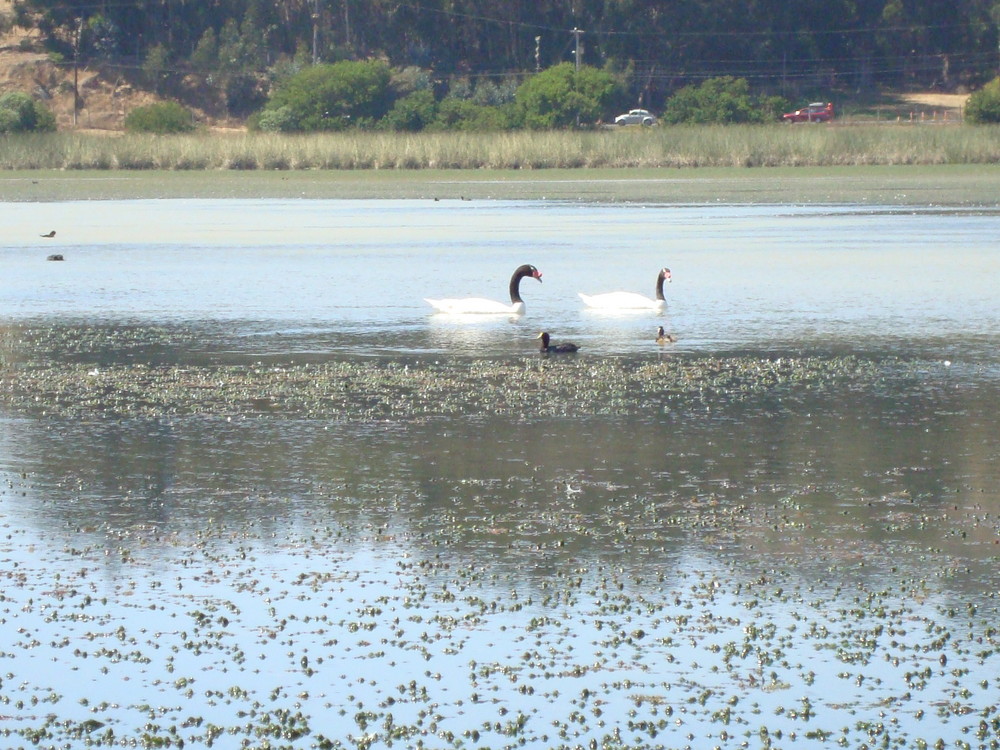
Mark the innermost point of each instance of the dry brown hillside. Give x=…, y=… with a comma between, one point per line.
x=105, y=96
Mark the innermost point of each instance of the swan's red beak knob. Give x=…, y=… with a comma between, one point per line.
x=537, y=275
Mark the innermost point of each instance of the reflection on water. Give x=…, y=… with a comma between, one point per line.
x=814, y=563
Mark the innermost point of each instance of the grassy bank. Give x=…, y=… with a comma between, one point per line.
x=673, y=147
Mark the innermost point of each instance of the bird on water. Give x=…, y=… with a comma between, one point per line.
x=480, y=306
x=662, y=337
x=630, y=300
x=548, y=348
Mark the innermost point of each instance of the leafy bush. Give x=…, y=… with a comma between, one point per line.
x=162, y=117
x=273, y=120
x=720, y=100
x=412, y=113
x=460, y=114
x=333, y=96
x=19, y=113
x=983, y=106
x=560, y=96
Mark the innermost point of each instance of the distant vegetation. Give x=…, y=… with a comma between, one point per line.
x=481, y=65
x=667, y=146
x=19, y=113
x=721, y=101
x=162, y=117
x=983, y=106
x=365, y=95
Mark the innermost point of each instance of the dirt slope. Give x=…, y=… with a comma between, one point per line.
x=105, y=97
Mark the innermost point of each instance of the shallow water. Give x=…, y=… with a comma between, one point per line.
x=349, y=277
x=808, y=563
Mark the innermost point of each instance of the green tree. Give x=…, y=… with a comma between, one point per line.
x=454, y=113
x=156, y=67
x=333, y=96
x=205, y=57
x=19, y=113
x=983, y=106
x=561, y=96
x=412, y=113
x=719, y=100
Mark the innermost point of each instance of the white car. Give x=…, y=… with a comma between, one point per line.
x=636, y=117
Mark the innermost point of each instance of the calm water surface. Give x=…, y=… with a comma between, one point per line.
x=815, y=567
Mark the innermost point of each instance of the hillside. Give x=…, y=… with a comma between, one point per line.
x=106, y=96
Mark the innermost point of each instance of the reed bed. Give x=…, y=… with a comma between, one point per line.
x=688, y=146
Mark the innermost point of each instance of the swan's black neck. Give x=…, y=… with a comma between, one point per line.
x=515, y=281
x=660, y=278
x=515, y=288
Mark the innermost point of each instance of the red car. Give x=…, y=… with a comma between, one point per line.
x=815, y=112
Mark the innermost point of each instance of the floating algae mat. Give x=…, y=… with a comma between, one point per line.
x=365, y=390
x=695, y=551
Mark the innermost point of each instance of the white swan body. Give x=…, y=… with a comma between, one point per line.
x=482, y=306
x=475, y=305
x=629, y=300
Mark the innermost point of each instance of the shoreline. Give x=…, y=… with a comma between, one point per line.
x=969, y=185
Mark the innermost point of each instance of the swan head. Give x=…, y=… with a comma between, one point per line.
x=528, y=270
x=665, y=275
x=544, y=336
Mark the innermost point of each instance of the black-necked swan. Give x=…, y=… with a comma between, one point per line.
x=629, y=300
x=662, y=337
x=546, y=348
x=474, y=305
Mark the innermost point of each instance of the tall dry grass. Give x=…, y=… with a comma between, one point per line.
x=686, y=146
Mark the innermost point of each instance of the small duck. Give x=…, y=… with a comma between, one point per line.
x=662, y=337
x=547, y=348
x=49, y=235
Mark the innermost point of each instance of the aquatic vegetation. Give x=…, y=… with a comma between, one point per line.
x=305, y=595
x=412, y=388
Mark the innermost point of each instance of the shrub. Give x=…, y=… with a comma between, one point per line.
x=720, y=100
x=460, y=114
x=334, y=96
x=412, y=113
x=276, y=120
x=19, y=113
x=560, y=96
x=983, y=106
x=162, y=117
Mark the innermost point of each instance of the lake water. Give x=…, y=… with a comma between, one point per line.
x=814, y=564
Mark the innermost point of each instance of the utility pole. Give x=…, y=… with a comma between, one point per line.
x=576, y=34
x=76, y=66
x=315, y=20
x=538, y=53
x=347, y=25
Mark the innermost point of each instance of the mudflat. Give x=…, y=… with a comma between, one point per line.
x=945, y=185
